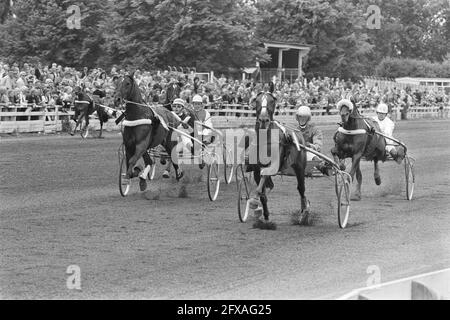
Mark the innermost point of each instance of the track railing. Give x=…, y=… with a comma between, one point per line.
x=50, y=118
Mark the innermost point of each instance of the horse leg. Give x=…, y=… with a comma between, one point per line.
x=263, y=199
x=356, y=170
x=300, y=174
x=78, y=123
x=261, y=192
x=144, y=173
x=171, y=146
x=141, y=148
x=86, y=119
x=101, y=129
x=376, y=173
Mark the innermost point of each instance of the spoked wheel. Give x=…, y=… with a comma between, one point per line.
x=243, y=197
x=213, y=180
x=410, y=178
x=228, y=166
x=124, y=182
x=343, y=202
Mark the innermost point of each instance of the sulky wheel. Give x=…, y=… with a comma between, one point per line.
x=410, y=178
x=213, y=180
x=343, y=202
x=243, y=197
x=124, y=182
x=227, y=165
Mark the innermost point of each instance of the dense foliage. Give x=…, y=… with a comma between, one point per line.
x=226, y=35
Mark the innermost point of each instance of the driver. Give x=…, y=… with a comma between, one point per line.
x=387, y=127
x=201, y=115
x=312, y=135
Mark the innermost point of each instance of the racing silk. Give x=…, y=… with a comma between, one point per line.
x=185, y=117
x=386, y=126
x=313, y=136
x=204, y=117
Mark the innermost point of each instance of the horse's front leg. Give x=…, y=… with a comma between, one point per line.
x=78, y=122
x=376, y=172
x=101, y=129
x=172, y=149
x=261, y=192
x=263, y=199
x=144, y=173
x=356, y=170
x=140, y=149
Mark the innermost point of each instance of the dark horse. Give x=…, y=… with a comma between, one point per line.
x=143, y=128
x=84, y=107
x=356, y=138
x=290, y=156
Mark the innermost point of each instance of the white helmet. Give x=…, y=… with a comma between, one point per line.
x=179, y=101
x=197, y=98
x=382, y=108
x=303, y=111
x=345, y=103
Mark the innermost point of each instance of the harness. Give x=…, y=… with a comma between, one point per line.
x=148, y=121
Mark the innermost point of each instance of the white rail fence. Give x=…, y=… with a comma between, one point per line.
x=51, y=119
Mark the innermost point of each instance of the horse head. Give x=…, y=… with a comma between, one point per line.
x=127, y=89
x=347, y=112
x=265, y=109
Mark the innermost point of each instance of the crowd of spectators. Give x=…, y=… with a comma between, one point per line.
x=53, y=85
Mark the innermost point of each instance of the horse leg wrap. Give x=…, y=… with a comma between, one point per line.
x=144, y=173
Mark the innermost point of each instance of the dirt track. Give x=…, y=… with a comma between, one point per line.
x=60, y=206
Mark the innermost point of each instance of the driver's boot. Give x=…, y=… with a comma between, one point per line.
x=324, y=169
x=398, y=154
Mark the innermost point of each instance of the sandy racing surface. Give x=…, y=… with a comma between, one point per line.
x=60, y=206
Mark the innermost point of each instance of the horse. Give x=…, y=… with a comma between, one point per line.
x=143, y=128
x=356, y=138
x=290, y=155
x=84, y=107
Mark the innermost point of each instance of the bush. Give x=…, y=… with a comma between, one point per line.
x=396, y=68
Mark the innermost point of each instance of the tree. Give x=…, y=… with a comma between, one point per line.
x=414, y=29
x=399, y=67
x=209, y=35
x=335, y=28
x=40, y=31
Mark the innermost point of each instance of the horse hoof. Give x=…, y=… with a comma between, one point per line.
x=72, y=134
x=355, y=198
x=166, y=175
x=378, y=181
x=142, y=184
x=180, y=175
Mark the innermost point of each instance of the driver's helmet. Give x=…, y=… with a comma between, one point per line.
x=303, y=116
x=178, y=105
x=197, y=102
x=382, y=108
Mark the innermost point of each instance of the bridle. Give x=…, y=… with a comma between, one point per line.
x=264, y=107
